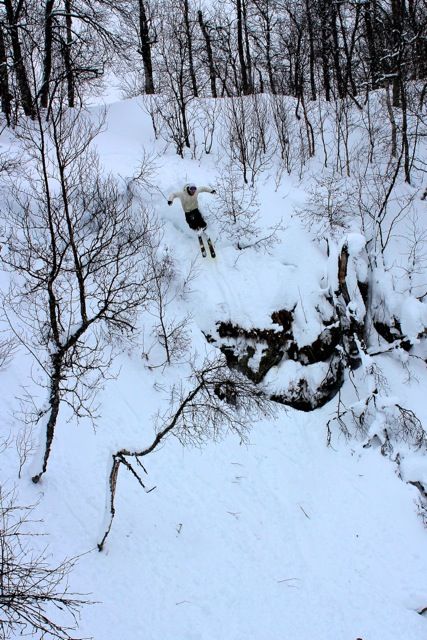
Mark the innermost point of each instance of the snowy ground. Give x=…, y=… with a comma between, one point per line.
x=282, y=538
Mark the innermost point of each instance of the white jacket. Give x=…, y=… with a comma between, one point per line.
x=189, y=203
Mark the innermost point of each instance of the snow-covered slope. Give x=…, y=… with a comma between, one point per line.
x=281, y=537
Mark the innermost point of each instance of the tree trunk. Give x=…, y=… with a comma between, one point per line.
x=397, y=24
x=145, y=49
x=190, y=49
x=311, y=46
x=6, y=98
x=20, y=71
x=54, y=404
x=263, y=7
x=66, y=54
x=47, y=59
x=405, y=138
x=212, y=74
x=325, y=51
x=247, y=47
x=349, y=50
x=392, y=123
x=336, y=52
x=370, y=40
x=241, y=52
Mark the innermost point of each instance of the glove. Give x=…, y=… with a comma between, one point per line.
x=213, y=191
x=169, y=202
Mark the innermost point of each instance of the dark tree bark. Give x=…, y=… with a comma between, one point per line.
x=244, y=75
x=296, y=56
x=299, y=71
x=54, y=404
x=145, y=48
x=268, y=55
x=66, y=54
x=349, y=46
x=325, y=49
x=369, y=19
x=405, y=138
x=209, y=53
x=190, y=48
x=6, y=98
x=247, y=47
x=47, y=58
x=20, y=70
x=311, y=48
x=397, y=10
x=336, y=51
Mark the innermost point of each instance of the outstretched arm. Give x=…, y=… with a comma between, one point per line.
x=206, y=190
x=172, y=197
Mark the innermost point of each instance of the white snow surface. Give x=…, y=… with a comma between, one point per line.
x=281, y=538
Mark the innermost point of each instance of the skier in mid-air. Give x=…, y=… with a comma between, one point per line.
x=194, y=218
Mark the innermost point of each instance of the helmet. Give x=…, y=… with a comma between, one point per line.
x=190, y=188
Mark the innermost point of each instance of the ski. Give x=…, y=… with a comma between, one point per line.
x=202, y=246
x=211, y=247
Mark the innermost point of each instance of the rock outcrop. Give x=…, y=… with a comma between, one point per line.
x=260, y=352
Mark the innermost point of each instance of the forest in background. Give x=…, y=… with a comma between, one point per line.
x=178, y=51
x=241, y=47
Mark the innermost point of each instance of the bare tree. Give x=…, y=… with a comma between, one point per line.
x=212, y=402
x=207, y=115
x=414, y=262
x=170, y=331
x=77, y=250
x=380, y=208
x=146, y=43
x=7, y=348
x=237, y=215
x=204, y=26
x=173, y=120
x=178, y=76
x=248, y=138
x=138, y=21
x=35, y=598
x=283, y=130
x=327, y=210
